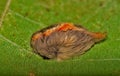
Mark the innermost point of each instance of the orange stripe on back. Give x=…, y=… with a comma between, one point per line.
x=48, y=32
x=66, y=26
x=61, y=27
x=36, y=36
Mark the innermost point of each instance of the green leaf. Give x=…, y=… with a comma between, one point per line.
x=25, y=17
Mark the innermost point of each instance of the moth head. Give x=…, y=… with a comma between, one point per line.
x=35, y=37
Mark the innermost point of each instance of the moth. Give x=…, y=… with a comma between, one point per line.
x=63, y=41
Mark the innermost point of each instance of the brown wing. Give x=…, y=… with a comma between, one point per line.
x=70, y=42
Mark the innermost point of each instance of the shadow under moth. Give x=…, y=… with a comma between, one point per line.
x=63, y=41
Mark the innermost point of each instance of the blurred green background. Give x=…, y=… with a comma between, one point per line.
x=27, y=16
